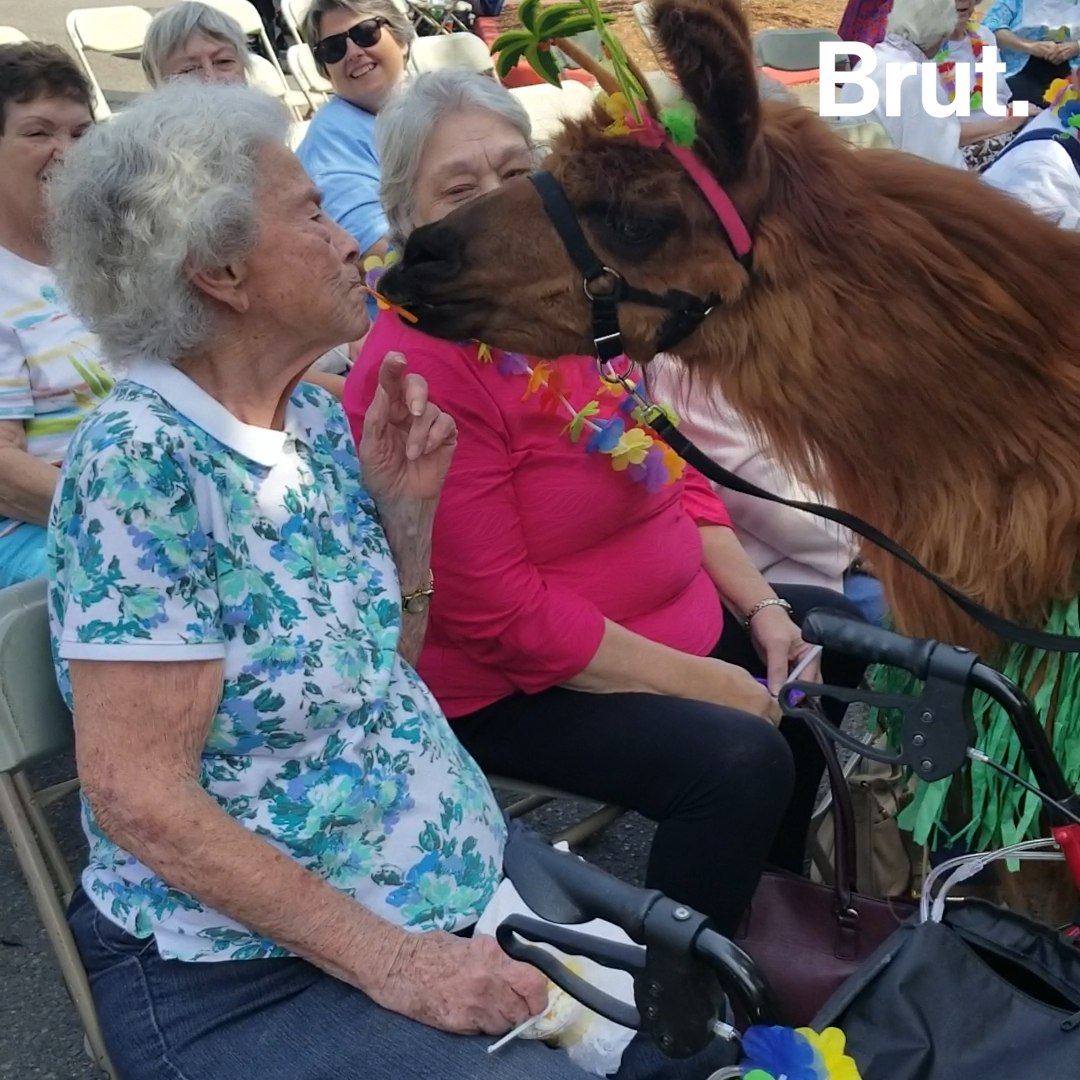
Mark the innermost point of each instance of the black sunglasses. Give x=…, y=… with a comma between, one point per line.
x=365, y=34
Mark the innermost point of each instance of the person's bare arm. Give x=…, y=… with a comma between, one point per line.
x=972, y=131
x=1006, y=39
x=408, y=532
x=140, y=730
x=334, y=384
x=26, y=484
x=626, y=662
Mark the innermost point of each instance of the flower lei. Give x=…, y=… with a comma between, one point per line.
x=781, y=1053
x=1063, y=100
x=622, y=437
x=947, y=66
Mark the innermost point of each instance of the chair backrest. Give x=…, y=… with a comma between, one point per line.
x=267, y=77
x=293, y=13
x=550, y=106
x=791, y=49
x=115, y=31
x=247, y=15
x=643, y=17
x=9, y=35
x=436, y=52
x=304, y=70
x=34, y=721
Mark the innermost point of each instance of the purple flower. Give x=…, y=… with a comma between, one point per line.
x=511, y=363
x=652, y=472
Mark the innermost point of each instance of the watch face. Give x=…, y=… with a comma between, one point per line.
x=417, y=605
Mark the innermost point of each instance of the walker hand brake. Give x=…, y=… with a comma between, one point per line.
x=612, y=954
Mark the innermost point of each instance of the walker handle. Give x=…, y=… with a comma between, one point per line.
x=867, y=641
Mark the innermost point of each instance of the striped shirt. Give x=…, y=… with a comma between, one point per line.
x=50, y=371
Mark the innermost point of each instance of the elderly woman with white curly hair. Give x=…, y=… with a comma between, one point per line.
x=288, y=846
x=916, y=31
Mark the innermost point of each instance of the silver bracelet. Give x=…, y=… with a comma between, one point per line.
x=772, y=601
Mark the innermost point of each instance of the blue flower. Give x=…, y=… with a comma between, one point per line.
x=606, y=435
x=780, y=1051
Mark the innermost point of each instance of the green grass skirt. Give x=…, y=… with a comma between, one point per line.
x=1003, y=812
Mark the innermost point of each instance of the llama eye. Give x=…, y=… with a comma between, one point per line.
x=632, y=234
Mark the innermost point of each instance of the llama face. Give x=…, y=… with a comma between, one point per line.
x=496, y=269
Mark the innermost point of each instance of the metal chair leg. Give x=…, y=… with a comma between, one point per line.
x=599, y=819
x=17, y=822
x=34, y=803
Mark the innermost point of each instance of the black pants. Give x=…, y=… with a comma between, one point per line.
x=1034, y=79
x=728, y=792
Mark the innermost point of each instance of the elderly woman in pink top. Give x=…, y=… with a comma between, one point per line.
x=577, y=633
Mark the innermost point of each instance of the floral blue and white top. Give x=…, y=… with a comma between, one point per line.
x=1034, y=20
x=180, y=533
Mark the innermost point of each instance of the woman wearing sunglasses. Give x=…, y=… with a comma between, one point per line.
x=361, y=46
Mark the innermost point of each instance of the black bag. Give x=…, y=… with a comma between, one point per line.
x=985, y=994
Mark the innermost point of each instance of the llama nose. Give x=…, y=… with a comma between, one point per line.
x=435, y=250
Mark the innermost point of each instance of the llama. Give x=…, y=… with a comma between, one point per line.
x=902, y=338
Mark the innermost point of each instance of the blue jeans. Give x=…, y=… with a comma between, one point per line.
x=22, y=555
x=866, y=593
x=287, y=1020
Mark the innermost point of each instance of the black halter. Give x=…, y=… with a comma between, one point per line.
x=607, y=288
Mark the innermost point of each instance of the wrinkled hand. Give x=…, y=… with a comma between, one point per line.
x=779, y=643
x=467, y=986
x=1045, y=50
x=408, y=442
x=742, y=691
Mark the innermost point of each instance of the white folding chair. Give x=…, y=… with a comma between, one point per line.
x=451, y=51
x=9, y=35
x=304, y=70
x=247, y=15
x=114, y=31
x=269, y=78
x=549, y=107
x=35, y=725
x=293, y=13
x=643, y=17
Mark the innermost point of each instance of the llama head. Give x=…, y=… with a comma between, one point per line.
x=497, y=270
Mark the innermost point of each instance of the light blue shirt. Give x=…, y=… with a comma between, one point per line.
x=180, y=533
x=1034, y=20
x=338, y=153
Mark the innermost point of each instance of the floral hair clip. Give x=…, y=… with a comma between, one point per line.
x=374, y=268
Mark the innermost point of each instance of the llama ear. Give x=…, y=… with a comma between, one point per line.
x=707, y=43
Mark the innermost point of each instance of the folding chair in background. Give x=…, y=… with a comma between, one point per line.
x=35, y=725
x=112, y=31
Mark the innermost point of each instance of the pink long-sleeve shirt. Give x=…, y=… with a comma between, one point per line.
x=537, y=541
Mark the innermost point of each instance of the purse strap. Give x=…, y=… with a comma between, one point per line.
x=845, y=853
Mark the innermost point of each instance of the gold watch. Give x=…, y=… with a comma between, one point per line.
x=416, y=602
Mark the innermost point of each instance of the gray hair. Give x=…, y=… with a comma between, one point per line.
x=406, y=121
x=397, y=22
x=922, y=22
x=167, y=186
x=171, y=28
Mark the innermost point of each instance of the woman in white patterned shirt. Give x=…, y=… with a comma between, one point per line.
x=50, y=376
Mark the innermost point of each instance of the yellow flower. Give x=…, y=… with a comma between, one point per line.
x=617, y=107
x=1058, y=86
x=380, y=262
x=538, y=378
x=483, y=353
x=631, y=449
x=830, y=1044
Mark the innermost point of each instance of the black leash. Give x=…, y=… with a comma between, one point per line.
x=1004, y=628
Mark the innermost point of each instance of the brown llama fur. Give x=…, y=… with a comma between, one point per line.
x=904, y=338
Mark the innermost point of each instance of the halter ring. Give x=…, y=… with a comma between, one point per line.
x=606, y=270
